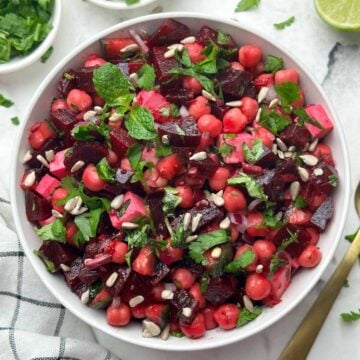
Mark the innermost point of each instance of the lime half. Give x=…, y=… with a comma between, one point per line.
x=340, y=14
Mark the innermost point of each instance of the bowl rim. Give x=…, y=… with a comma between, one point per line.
x=24, y=61
x=121, y=5
x=195, y=346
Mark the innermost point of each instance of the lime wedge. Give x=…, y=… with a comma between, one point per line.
x=340, y=14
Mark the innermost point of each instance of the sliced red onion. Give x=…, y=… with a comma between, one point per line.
x=183, y=111
x=144, y=48
x=170, y=286
x=100, y=259
x=254, y=204
x=116, y=302
x=240, y=220
x=271, y=94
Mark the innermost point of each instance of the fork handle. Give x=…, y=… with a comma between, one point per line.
x=300, y=344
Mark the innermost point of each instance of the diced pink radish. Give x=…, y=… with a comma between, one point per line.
x=237, y=156
x=125, y=164
x=155, y=103
x=47, y=185
x=57, y=166
x=47, y=221
x=135, y=209
x=318, y=113
x=149, y=154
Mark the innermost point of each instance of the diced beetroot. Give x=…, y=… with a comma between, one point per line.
x=155, y=204
x=237, y=155
x=318, y=113
x=219, y=291
x=57, y=166
x=135, y=209
x=121, y=141
x=66, y=83
x=84, y=79
x=37, y=208
x=47, y=185
x=179, y=97
x=72, y=277
x=205, y=167
x=267, y=159
x=113, y=46
x=64, y=119
x=234, y=82
x=135, y=65
x=323, y=214
x=207, y=34
x=322, y=184
x=169, y=32
x=181, y=300
x=296, y=135
x=155, y=103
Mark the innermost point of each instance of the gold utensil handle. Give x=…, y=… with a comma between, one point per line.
x=300, y=344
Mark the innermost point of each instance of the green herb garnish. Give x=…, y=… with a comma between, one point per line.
x=242, y=262
x=246, y=316
x=146, y=77
x=253, y=154
x=54, y=231
x=105, y=171
x=274, y=122
x=15, y=120
x=300, y=203
x=140, y=124
x=273, y=64
x=284, y=24
x=47, y=54
x=50, y=266
x=303, y=117
x=88, y=222
x=5, y=102
x=350, y=316
x=226, y=149
x=253, y=188
x=289, y=93
x=245, y=5
x=170, y=200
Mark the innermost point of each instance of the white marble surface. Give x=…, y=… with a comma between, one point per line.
x=337, y=67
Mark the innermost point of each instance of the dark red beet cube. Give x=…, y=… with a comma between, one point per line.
x=219, y=291
x=295, y=135
x=155, y=204
x=121, y=141
x=66, y=83
x=207, y=34
x=37, y=208
x=135, y=65
x=323, y=183
x=205, y=167
x=163, y=66
x=123, y=275
x=234, y=82
x=182, y=299
x=84, y=79
x=179, y=97
x=272, y=183
x=64, y=119
x=57, y=253
x=267, y=159
x=323, y=214
x=72, y=277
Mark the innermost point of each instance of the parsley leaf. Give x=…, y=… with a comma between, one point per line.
x=54, y=231
x=15, y=120
x=253, y=188
x=89, y=131
x=350, y=316
x=240, y=263
x=351, y=237
x=270, y=220
x=226, y=149
x=300, y=203
x=273, y=64
x=272, y=121
x=170, y=200
x=303, y=117
x=105, y=171
x=284, y=24
x=204, y=281
x=333, y=180
x=88, y=222
x=4, y=101
x=162, y=151
x=146, y=79
x=246, y=316
x=245, y=5
x=138, y=237
x=47, y=54
x=222, y=38
x=50, y=266
x=205, y=242
x=140, y=124
x=253, y=154
x=288, y=92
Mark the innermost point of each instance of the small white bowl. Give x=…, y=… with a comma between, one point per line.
x=21, y=61
x=302, y=283
x=121, y=5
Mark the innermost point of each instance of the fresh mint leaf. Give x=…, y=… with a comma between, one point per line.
x=351, y=237
x=272, y=121
x=288, y=92
x=105, y=171
x=54, y=231
x=284, y=24
x=222, y=38
x=163, y=151
x=205, y=242
x=147, y=77
x=226, y=149
x=300, y=203
x=140, y=124
x=273, y=64
x=246, y=316
x=303, y=117
x=245, y=5
x=47, y=54
x=270, y=220
x=4, y=101
x=253, y=188
x=138, y=237
x=171, y=200
x=110, y=83
x=134, y=155
x=50, y=266
x=88, y=222
x=89, y=131
x=253, y=154
x=15, y=120
x=240, y=263
x=350, y=316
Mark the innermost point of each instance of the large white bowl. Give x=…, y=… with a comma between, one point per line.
x=21, y=61
x=121, y=5
x=302, y=283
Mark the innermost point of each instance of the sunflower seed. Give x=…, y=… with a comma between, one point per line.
x=49, y=155
x=85, y=297
x=129, y=225
x=64, y=268
x=195, y=221
x=135, y=301
x=236, y=103
x=208, y=95
x=170, y=53
x=279, y=215
x=282, y=146
x=165, y=332
x=89, y=115
x=313, y=144
x=191, y=238
x=273, y=103
x=150, y=329
x=42, y=160
x=292, y=148
x=248, y=303
x=220, y=193
x=77, y=166
x=288, y=154
x=186, y=311
x=72, y=203
x=117, y=202
x=165, y=139
x=294, y=190
x=112, y=279
x=281, y=154
x=201, y=155
x=79, y=211
x=274, y=149
x=258, y=115
x=318, y=172
x=303, y=173
x=98, y=109
x=167, y=295
x=30, y=179
x=262, y=94
x=225, y=223
x=115, y=116
x=27, y=157
x=218, y=200
x=129, y=48
x=177, y=47
x=187, y=221
x=188, y=40
x=133, y=77
x=56, y=214
x=259, y=268
x=306, y=147
x=310, y=160
x=216, y=253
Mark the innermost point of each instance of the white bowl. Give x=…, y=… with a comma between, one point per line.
x=19, y=62
x=121, y=5
x=302, y=282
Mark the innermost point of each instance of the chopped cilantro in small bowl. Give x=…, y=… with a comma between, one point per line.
x=122, y=4
x=27, y=30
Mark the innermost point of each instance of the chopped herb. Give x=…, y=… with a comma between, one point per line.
x=242, y=262
x=245, y=5
x=128, y=258
x=351, y=237
x=138, y=237
x=253, y=154
x=229, y=136
x=246, y=316
x=226, y=149
x=205, y=242
x=222, y=38
x=131, y=2
x=204, y=281
x=54, y=231
x=350, y=316
x=300, y=203
x=333, y=180
x=253, y=188
x=174, y=110
x=170, y=200
x=140, y=124
x=162, y=151
x=274, y=122
x=90, y=131
x=50, y=266
x=346, y=284
x=289, y=93
x=105, y=171
x=303, y=117
x=177, y=333
x=15, y=120
x=5, y=102
x=284, y=24
x=165, y=112
x=47, y=54
x=177, y=237
x=273, y=64
x=88, y=222
x=270, y=220
x=146, y=79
